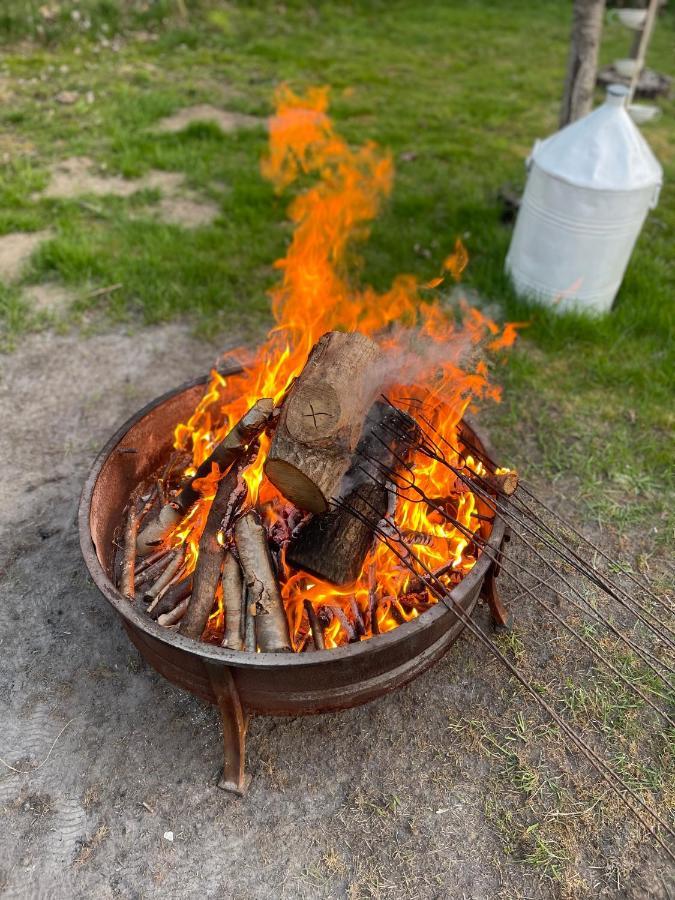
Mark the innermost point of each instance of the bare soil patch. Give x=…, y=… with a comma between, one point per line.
x=16, y=249
x=49, y=297
x=393, y=799
x=78, y=176
x=227, y=121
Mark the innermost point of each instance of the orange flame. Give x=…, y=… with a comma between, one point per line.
x=315, y=295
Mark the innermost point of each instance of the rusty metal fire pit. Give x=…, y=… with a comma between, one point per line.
x=242, y=683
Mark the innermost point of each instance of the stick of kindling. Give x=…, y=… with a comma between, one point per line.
x=232, y=582
x=315, y=627
x=129, y=560
x=230, y=494
x=230, y=448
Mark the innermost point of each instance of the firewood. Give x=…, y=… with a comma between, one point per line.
x=372, y=623
x=335, y=544
x=230, y=449
x=322, y=418
x=176, y=614
x=315, y=627
x=504, y=483
x=347, y=626
x=359, y=624
x=232, y=582
x=129, y=559
x=152, y=572
x=170, y=599
x=159, y=556
x=165, y=580
x=271, y=626
x=249, y=627
x=209, y=561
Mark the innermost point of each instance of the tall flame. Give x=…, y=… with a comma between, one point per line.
x=313, y=295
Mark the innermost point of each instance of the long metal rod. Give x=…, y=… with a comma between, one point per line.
x=640, y=583
x=605, y=771
x=597, y=577
x=431, y=449
x=644, y=655
x=491, y=464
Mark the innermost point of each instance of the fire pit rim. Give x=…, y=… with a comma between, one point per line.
x=241, y=658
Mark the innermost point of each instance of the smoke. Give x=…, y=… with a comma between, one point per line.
x=412, y=357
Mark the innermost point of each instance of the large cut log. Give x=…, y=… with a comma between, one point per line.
x=231, y=492
x=228, y=450
x=322, y=418
x=264, y=598
x=335, y=544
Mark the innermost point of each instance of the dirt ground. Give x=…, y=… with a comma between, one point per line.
x=115, y=794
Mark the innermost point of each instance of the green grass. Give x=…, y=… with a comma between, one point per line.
x=461, y=90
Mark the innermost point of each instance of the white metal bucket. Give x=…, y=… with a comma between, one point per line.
x=588, y=192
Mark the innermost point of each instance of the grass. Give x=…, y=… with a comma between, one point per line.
x=457, y=92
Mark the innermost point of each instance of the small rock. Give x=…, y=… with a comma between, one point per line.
x=168, y=836
x=67, y=97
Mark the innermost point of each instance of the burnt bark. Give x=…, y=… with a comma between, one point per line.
x=335, y=544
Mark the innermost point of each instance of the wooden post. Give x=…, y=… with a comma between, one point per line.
x=583, y=60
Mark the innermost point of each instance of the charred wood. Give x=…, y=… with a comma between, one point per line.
x=335, y=544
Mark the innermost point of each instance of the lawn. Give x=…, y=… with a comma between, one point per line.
x=458, y=93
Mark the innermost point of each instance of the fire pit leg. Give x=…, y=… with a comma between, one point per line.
x=501, y=617
x=234, y=721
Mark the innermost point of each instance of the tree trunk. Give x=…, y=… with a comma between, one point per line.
x=583, y=60
x=322, y=418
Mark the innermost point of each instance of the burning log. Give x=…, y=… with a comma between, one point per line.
x=264, y=598
x=230, y=448
x=321, y=420
x=504, y=483
x=231, y=492
x=314, y=626
x=359, y=624
x=129, y=559
x=335, y=544
x=233, y=583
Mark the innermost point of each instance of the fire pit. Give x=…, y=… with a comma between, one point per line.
x=240, y=682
